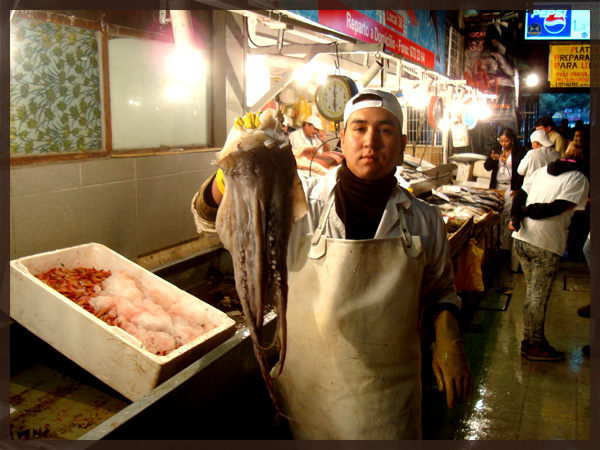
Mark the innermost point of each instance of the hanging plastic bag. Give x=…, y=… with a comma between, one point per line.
x=460, y=135
x=469, y=276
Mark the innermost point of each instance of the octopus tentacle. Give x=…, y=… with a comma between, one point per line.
x=254, y=223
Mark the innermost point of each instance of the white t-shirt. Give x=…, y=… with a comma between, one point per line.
x=534, y=159
x=504, y=173
x=299, y=141
x=541, y=187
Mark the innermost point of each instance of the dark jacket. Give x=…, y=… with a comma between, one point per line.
x=561, y=166
x=543, y=210
x=516, y=180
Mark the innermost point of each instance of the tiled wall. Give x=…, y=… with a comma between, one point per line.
x=133, y=205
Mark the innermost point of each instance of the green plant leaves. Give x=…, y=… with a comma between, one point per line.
x=55, y=101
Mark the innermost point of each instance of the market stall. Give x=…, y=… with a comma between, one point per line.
x=116, y=406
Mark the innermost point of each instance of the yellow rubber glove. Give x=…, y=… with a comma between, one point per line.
x=450, y=365
x=220, y=180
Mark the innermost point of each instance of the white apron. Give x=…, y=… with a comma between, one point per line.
x=353, y=364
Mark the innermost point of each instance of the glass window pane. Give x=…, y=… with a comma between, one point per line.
x=157, y=100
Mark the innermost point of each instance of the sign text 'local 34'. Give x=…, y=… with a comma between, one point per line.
x=570, y=65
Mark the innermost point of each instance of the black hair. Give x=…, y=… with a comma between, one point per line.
x=545, y=121
x=509, y=133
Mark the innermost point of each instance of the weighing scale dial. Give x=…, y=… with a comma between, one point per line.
x=333, y=95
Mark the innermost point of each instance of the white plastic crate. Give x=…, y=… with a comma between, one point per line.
x=108, y=352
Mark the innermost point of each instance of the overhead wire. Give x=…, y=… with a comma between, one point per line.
x=317, y=151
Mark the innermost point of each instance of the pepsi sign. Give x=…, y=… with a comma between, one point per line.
x=556, y=24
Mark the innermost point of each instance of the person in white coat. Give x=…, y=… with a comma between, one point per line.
x=310, y=138
x=540, y=155
x=540, y=218
x=369, y=276
x=548, y=125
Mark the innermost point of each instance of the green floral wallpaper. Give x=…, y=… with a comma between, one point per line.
x=54, y=89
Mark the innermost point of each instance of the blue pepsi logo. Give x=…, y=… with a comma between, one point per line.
x=555, y=23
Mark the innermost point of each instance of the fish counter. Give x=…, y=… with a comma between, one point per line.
x=59, y=391
x=473, y=217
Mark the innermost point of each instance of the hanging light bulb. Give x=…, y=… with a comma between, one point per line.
x=419, y=96
x=532, y=80
x=484, y=111
x=445, y=124
x=457, y=105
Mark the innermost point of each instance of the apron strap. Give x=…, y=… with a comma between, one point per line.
x=412, y=244
x=404, y=234
x=319, y=246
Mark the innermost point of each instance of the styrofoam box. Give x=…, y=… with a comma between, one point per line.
x=464, y=172
x=108, y=352
x=480, y=172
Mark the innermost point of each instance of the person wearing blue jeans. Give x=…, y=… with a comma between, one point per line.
x=540, y=216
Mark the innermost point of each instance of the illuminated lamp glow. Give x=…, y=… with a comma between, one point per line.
x=174, y=92
x=455, y=108
x=315, y=68
x=321, y=78
x=258, y=78
x=484, y=111
x=186, y=65
x=445, y=124
x=417, y=98
x=532, y=80
x=303, y=75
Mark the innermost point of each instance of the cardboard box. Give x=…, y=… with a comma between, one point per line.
x=108, y=352
x=464, y=172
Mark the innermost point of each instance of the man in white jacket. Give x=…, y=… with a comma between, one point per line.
x=310, y=138
x=549, y=126
x=369, y=275
x=541, y=155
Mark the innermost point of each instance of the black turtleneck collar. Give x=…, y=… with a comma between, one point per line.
x=360, y=203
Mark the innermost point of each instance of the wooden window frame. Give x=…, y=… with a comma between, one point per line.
x=106, y=29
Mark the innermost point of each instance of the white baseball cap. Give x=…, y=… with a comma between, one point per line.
x=373, y=98
x=542, y=137
x=314, y=120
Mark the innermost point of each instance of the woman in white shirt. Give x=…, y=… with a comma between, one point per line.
x=503, y=164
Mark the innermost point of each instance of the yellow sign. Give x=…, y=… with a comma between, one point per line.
x=570, y=66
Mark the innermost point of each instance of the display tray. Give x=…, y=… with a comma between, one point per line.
x=107, y=352
x=459, y=238
x=490, y=218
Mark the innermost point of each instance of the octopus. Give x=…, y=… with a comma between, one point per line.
x=262, y=201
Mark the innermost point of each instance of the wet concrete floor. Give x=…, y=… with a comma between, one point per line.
x=518, y=399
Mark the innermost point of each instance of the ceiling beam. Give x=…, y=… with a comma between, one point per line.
x=303, y=49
